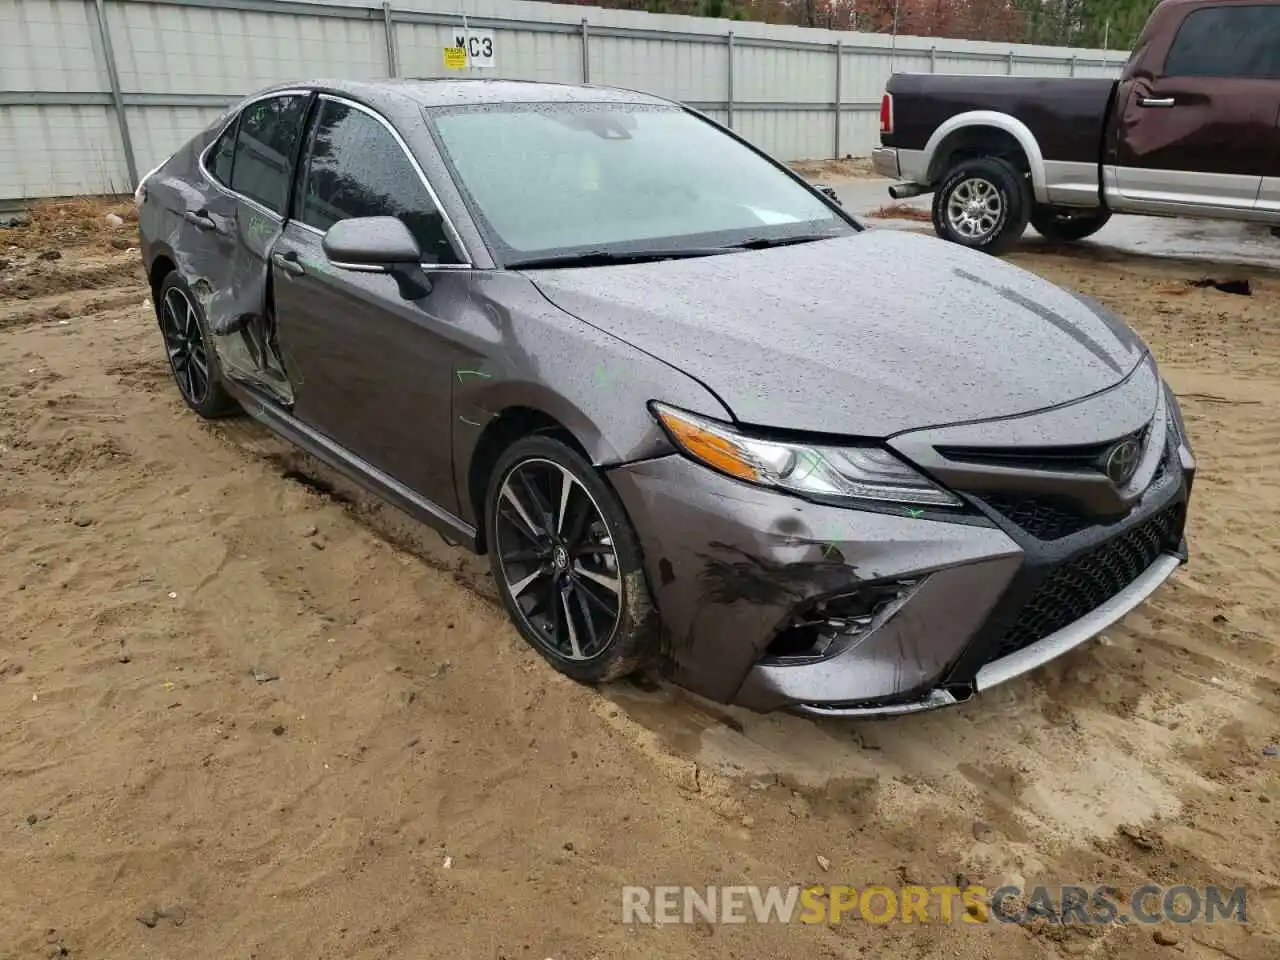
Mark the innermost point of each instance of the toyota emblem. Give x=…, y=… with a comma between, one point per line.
x=1121, y=461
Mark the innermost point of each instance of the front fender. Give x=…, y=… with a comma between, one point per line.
x=524, y=353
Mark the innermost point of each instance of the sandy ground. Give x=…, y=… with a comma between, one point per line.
x=298, y=725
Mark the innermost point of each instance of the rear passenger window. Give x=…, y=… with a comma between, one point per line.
x=1229, y=41
x=356, y=168
x=221, y=155
x=268, y=141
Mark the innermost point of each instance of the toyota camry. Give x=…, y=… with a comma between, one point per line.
x=699, y=418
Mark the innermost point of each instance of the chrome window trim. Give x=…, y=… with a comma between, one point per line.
x=451, y=232
x=454, y=237
x=358, y=267
x=203, y=155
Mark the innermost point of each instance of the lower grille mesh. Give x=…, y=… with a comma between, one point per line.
x=1082, y=584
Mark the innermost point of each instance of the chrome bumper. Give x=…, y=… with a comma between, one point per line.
x=1072, y=635
x=1024, y=660
x=884, y=161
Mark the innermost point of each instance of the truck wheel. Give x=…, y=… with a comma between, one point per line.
x=1066, y=225
x=983, y=204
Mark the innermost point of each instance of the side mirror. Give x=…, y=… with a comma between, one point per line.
x=371, y=242
x=378, y=245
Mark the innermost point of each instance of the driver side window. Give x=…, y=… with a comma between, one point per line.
x=356, y=168
x=1229, y=41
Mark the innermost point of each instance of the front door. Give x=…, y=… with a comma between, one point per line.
x=1269, y=191
x=370, y=370
x=1193, y=131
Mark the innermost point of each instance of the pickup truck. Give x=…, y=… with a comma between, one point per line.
x=1189, y=130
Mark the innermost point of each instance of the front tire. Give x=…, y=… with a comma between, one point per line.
x=983, y=204
x=567, y=562
x=1067, y=225
x=192, y=359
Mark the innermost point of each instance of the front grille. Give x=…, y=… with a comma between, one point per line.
x=1052, y=518
x=1045, y=518
x=1086, y=458
x=1082, y=584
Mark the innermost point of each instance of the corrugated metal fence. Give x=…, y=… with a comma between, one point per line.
x=93, y=92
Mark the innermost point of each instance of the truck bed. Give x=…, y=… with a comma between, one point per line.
x=1067, y=116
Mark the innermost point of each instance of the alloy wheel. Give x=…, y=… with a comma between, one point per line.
x=184, y=343
x=557, y=559
x=974, y=208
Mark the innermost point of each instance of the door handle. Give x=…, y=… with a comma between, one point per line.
x=1155, y=101
x=288, y=262
x=200, y=220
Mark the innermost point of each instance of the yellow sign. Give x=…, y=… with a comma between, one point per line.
x=455, y=58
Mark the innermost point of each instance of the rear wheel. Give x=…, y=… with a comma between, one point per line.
x=191, y=356
x=984, y=204
x=1067, y=224
x=567, y=563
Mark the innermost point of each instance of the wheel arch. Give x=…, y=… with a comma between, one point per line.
x=986, y=133
x=509, y=425
x=162, y=264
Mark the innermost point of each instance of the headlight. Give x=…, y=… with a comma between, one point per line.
x=823, y=473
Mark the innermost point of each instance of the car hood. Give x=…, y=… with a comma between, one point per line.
x=866, y=335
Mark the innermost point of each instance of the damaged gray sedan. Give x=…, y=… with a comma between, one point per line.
x=697, y=416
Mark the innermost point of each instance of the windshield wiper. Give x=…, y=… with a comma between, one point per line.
x=763, y=243
x=605, y=258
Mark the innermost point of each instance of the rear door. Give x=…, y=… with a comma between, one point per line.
x=208, y=230
x=1195, y=125
x=269, y=133
x=370, y=370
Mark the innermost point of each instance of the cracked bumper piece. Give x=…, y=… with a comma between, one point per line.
x=771, y=602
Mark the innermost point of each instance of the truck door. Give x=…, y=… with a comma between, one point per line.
x=1269, y=191
x=1194, y=125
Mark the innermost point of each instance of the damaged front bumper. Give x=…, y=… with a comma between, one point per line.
x=1021, y=661
x=771, y=602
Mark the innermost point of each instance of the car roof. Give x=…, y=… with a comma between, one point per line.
x=461, y=91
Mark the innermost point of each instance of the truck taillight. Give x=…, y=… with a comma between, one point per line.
x=886, y=113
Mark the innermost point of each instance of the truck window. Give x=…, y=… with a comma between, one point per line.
x=1230, y=41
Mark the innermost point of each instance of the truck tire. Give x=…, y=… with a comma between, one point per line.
x=984, y=204
x=1067, y=224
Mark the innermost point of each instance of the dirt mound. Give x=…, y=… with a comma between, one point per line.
x=56, y=224
x=830, y=171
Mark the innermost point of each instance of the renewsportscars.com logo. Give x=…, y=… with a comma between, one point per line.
x=1089, y=905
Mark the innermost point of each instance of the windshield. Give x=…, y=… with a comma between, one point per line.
x=553, y=179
